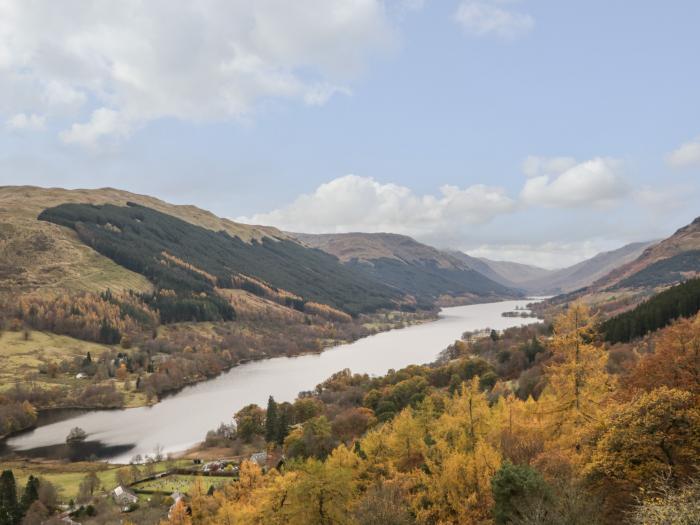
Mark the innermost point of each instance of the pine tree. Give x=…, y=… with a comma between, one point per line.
x=31, y=493
x=9, y=510
x=282, y=430
x=271, y=421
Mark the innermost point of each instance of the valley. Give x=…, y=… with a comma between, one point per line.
x=140, y=341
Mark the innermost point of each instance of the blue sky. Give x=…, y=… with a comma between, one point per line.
x=394, y=115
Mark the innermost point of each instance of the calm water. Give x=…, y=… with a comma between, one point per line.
x=182, y=420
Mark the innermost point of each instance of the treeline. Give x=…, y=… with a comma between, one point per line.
x=682, y=300
x=194, y=261
x=591, y=448
x=102, y=318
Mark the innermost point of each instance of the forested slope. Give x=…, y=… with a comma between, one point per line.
x=682, y=300
x=179, y=256
x=410, y=266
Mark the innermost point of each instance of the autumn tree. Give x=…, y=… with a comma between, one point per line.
x=668, y=504
x=639, y=441
x=249, y=422
x=88, y=486
x=384, y=504
x=577, y=381
x=675, y=361
x=179, y=515
x=314, y=439
x=322, y=492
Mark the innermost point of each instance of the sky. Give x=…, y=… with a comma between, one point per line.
x=539, y=131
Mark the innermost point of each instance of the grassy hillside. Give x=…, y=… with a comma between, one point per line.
x=409, y=266
x=37, y=255
x=176, y=255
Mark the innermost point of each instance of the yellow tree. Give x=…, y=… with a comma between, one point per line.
x=179, y=515
x=320, y=494
x=465, y=419
x=406, y=441
x=577, y=383
x=521, y=429
x=460, y=463
x=657, y=433
x=457, y=488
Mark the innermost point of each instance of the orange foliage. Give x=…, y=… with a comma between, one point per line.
x=675, y=362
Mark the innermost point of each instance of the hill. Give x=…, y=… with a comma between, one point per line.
x=412, y=267
x=682, y=300
x=507, y=273
x=540, y=281
x=41, y=255
x=191, y=260
x=668, y=262
x=586, y=272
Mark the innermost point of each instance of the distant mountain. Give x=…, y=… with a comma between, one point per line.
x=412, y=267
x=507, y=273
x=541, y=281
x=588, y=271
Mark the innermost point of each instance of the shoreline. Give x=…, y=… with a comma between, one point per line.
x=174, y=391
x=422, y=321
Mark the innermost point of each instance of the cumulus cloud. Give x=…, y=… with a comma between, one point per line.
x=686, y=155
x=103, y=122
x=535, y=166
x=486, y=18
x=595, y=182
x=131, y=61
x=22, y=121
x=354, y=203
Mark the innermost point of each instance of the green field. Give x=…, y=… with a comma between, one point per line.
x=181, y=483
x=66, y=477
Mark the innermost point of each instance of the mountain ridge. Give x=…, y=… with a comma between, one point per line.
x=409, y=265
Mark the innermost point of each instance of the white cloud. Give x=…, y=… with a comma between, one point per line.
x=686, y=155
x=103, y=122
x=206, y=60
x=353, y=203
x=484, y=18
x=22, y=121
x=595, y=182
x=534, y=166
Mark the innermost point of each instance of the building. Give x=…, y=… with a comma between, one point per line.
x=260, y=458
x=124, y=498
